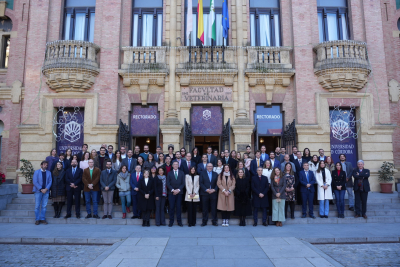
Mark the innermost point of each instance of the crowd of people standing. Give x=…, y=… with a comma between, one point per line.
x=148, y=184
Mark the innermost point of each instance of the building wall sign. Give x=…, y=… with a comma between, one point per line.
x=144, y=120
x=69, y=130
x=206, y=94
x=269, y=119
x=206, y=120
x=343, y=135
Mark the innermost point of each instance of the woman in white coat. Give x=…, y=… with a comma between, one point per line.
x=324, y=180
x=192, y=196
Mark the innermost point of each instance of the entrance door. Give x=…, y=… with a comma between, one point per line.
x=206, y=126
x=150, y=141
x=270, y=142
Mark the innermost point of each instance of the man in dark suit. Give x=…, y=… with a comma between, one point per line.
x=259, y=188
x=80, y=154
x=228, y=160
x=210, y=157
x=134, y=182
x=293, y=156
x=347, y=167
x=201, y=167
x=361, y=189
x=63, y=162
x=298, y=163
x=187, y=164
x=209, y=194
x=178, y=159
x=130, y=162
x=255, y=163
x=274, y=162
x=263, y=155
x=321, y=154
x=73, y=181
x=307, y=181
x=158, y=152
x=175, y=185
x=110, y=151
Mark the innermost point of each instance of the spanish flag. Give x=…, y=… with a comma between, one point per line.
x=200, y=23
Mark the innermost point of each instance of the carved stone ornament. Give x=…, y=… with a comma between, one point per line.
x=70, y=65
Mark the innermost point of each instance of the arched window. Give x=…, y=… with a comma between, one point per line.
x=332, y=20
x=79, y=19
x=147, y=22
x=264, y=23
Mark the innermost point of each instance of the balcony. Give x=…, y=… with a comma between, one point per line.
x=207, y=65
x=70, y=65
x=342, y=65
x=269, y=69
x=144, y=66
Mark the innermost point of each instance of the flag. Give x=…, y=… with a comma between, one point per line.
x=225, y=19
x=200, y=22
x=212, y=29
x=189, y=25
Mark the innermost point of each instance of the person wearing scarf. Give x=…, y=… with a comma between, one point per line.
x=226, y=199
x=192, y=197
x=124, y=188
x=160, y=184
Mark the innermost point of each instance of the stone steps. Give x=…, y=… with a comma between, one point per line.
x=381, y=208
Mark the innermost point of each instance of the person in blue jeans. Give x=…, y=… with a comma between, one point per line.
x=339, y=188
x=123, y=185
x=41, y=184
x=91, y=181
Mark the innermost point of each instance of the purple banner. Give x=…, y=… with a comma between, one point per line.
x=144, y=121
x=206, y=120
x=70, y=130
x=270, y=120
x=343, y=134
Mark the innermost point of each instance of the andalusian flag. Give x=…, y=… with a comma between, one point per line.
x=200, y=22
x=212, y=30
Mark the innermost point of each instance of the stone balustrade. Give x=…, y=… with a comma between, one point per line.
x=268, y=58
x=144, y=59
x=342, y=65
x=70, y=65
x=207, y=57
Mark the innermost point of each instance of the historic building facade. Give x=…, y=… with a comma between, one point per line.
x=315, y=73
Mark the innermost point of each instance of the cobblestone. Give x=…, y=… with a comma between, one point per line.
x=49, y=255
x=354, y=255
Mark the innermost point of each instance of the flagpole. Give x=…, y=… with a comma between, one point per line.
x=223, y=50
x=190, y=47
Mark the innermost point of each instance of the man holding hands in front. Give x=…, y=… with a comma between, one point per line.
x=175, y=184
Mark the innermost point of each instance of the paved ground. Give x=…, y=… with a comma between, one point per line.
x=49, y=255
x=364, y=254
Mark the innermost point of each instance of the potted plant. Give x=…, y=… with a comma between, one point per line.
x=386, y=177
x=2, y=178
x=27, y=171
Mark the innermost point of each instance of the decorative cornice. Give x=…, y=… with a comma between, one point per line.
x=200, y=77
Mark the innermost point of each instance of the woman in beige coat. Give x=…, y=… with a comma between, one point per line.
x=226, y=199
x=192, y=195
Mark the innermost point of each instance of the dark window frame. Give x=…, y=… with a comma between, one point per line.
x=338, y=11
x=206, y=10
x=88, y=11
x=4, y=41
x=266, y=11
x=140, y=11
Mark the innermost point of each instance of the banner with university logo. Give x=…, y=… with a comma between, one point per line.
x=69, y=132
x=206, y=120
x=269, y=119
x=343, y=135
x=144, y=120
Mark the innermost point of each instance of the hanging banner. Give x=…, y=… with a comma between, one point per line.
x=206, y=120
x=69, y=130
x=144, y=121
x=343, y=135
x=269, y=119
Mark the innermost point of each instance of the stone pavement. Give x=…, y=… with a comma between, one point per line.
x=222, y=251
x=42, y=255
x=361, y=255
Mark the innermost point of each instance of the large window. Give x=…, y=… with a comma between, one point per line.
x=79, y=20
x=264, y=23
x=147, y=22
x=332, y=20
x=194, y=41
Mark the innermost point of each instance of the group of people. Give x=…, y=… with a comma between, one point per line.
x=149, y=183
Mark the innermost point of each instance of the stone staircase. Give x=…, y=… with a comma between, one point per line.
x=381, y=208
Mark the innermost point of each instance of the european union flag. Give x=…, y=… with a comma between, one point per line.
x=225, y=19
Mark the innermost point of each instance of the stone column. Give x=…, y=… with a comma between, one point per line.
x=242, y=126
x=171, y=127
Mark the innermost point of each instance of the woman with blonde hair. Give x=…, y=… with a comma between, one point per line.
x=278, y=187
x=226, y=198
